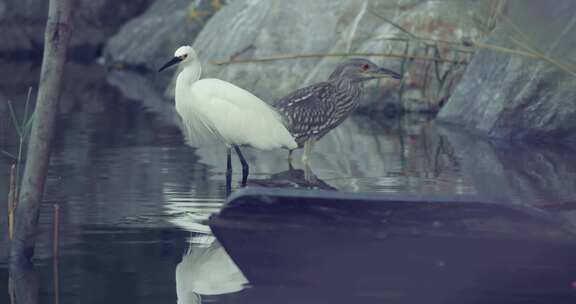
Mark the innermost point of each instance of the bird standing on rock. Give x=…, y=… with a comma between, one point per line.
x=228, y=112
x=311, y=112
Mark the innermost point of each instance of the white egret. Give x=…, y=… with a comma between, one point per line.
x=230, y=113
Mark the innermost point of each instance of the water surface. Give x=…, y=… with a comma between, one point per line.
x=135, y=197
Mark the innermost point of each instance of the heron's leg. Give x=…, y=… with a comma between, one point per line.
x=228, y=171
x=307, y=150
x=245, y=168
x=290, y=159
x=308, y=174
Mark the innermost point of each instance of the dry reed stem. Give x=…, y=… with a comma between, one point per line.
x=56, y=253
x=304, y=56
x=456, y=46
x=56, y=230
x=530, y=50
x=525, y=44
x=11, y=206
x=12, y=198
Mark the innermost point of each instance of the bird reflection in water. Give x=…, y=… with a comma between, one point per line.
x=207, y=270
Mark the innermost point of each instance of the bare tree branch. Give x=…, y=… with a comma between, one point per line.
x=56, y=37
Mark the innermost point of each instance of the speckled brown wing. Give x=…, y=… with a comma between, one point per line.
x=309, y=112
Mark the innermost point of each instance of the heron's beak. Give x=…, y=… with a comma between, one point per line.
x=383, y=73
x=172, y=62
x=386, y=73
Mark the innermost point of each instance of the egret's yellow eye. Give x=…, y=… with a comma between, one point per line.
x=183, y=56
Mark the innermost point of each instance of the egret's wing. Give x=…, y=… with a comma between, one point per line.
x=308, y=110
x=197, y=131
x=236, y=96
x=238, y=116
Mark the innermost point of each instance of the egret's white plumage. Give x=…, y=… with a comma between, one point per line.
x=206, y=271
x=225, y=111
x=232, y=114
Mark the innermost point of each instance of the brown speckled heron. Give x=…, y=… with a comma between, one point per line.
x=311, y=112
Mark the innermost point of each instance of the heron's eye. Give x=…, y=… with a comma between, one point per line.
x=365, y=67
x=183, y=56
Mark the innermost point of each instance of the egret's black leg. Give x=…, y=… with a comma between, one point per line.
x=290, y=159
x=228, y=171
x=245, y=168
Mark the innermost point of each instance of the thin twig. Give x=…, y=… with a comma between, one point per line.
x=530, y=50
x=56, y=253
x=461, y=47
x=420, y=38
x=394, y=24
x=12, y=198
x=25, y=129
x=426, y=83
x=15, y=122
x=8, y=154
x=27, y=119
x=495, y=11
x=526, y=54
x=515, y=27
x=543, y=57
x=56, y=231
x=504, y=50
x=304, y=56
x=403, y=69
x=26, y=104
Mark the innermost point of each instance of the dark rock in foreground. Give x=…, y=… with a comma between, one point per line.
x=405, y=249
x=510, y=96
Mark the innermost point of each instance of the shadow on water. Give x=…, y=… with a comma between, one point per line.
x=135, y=198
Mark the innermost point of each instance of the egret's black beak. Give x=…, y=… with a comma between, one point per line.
x=172, y=62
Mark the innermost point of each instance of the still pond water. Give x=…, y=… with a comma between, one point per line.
x=134, y=197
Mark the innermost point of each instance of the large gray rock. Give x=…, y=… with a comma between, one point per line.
x=510, y=96
x=151, y=39
x=254, y=29
x=426, y=84
x=22, y=23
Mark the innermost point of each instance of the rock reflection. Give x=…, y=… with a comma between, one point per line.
x=536, y=175
x=207, y=270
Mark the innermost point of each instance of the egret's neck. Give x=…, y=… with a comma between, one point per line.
x=190, y=74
